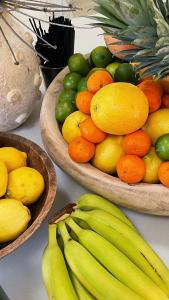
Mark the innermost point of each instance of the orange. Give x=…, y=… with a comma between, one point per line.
x=165, y=101
x=81, y=150
x=83, y=100
x=151, y=84
x=163, y=173
x=145, y=78
x=153, y=91
x=90, y=132
x=138, y=143
x=131, y=169
x=97, y=80
x=119, y=108
x=165, y=84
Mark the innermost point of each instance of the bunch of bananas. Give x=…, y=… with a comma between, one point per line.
x=95, y=252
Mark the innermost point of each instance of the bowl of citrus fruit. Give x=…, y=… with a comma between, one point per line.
x=27, y=190
x=109, y=129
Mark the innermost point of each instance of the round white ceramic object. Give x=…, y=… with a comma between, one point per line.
x=19, y=84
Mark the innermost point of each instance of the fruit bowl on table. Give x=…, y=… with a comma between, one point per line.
x=142, y=197
x=37, y=159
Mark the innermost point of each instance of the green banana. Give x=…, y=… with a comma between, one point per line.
x=95, y=278
x=104, y=218
x=58, y=287
x=117, y=263
x=92, y=201
x=82, y=293
x=127, y=247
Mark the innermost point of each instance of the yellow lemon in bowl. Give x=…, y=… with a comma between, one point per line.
x=13, y=158
x=119, y=108
x=71, y=129
x=157, y=124
x=152, y=162
x=14, y=219
x=3, y=178
x=108, y=153
x=25, y=184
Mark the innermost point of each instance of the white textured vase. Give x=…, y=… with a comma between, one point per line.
x=19, y=84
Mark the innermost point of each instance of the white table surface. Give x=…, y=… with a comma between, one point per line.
x=20, y=272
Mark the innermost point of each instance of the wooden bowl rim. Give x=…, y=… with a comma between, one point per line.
x=50, y=197
x=86, y=174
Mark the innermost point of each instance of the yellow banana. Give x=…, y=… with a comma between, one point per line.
x=102, y=217
x=92, y=201
x=95, y=278
x=82, y=293
x=127, y=247
x=117, y=263
x=54, y=271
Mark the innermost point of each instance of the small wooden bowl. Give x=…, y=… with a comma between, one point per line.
x=39, y=160
x=142, y=197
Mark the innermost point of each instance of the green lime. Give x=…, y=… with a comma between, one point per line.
x=125, y=73
x=111, y=68
x=82, y=84
x=71, y=80
x=67, y=95
x=63, y=110
x=101, y=56
x=162, y=146
x=91, y=64
x=79, y=64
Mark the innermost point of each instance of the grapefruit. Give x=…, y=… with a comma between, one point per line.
x=119, y=108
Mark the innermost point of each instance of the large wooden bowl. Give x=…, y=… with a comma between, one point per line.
x=39, y=160
x=146, y=198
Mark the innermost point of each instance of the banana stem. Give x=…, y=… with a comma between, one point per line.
x=62, y=214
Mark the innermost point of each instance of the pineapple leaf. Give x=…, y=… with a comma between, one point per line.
x=162, y=42
x=161, y=6
x=142, y=23
x=144, y=42
x=163, y=51
x=145, y=52
x=112, y=21
x=107, y=5
x=166, y=59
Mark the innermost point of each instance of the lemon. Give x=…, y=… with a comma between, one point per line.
x=108, y=153
x=152, y=162
x=157, y=124
x=71, y=129
x=25, y=184
x=3, y=178
x=14, y=219
x=119, y=108
x=13, y=158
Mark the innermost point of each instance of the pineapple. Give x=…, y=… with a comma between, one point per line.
x=144, y=24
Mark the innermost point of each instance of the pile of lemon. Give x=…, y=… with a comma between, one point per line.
x=20, y=186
